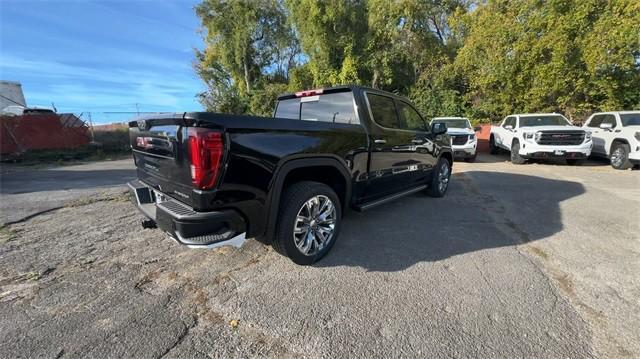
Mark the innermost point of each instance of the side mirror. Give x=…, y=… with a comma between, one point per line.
x=508, y=127
x=477, y=128
x=606, y=126
x=438, y=128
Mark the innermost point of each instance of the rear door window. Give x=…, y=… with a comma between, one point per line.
x=383, y=110
x=332, y=107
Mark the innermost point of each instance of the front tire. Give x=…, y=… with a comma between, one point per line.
x=308, y=222
x=439, y=182
x=620, y=156
x=516, y=159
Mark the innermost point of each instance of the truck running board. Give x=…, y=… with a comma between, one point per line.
x=383, y=200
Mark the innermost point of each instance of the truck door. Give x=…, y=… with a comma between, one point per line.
x=507, y=134
x=392, y=161
x=608, y=135
x=498, y=130
x=596, y=133
x=422, y=146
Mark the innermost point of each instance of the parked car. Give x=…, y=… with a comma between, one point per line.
x=540, y=136
x=205, y=178
x=616, y=135
x=463, y=137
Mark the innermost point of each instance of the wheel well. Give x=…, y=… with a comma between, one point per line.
x=328, y=175
x=448, y=157
x=616, y=141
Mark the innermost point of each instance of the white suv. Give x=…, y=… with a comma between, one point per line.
x=541, y=136
x=616, y=135
x=464, y=141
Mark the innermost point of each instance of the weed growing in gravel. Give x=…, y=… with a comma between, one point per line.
x=87, y=200
x=34, y=276
x=7, y=234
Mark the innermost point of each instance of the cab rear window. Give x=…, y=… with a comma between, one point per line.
x=332, y=107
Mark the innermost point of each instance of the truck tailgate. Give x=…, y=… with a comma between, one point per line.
x=160, y=154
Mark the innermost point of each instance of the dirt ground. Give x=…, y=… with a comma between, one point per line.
x=538, y=260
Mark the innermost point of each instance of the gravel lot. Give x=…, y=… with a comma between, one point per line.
x=537, y=260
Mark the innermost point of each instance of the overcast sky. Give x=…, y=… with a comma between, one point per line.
x=102, y=55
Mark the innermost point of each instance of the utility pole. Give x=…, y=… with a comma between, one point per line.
x=91, y=127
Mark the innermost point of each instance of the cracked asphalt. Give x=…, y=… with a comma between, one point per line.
x=537, y=260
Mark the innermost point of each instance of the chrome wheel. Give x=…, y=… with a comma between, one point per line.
x=443, y=178
x=617, y=157
x=314, y=225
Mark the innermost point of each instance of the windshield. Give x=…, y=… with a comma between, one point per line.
x=630, y=119
x=333, y=107
x=546, y=120
x=453, y=123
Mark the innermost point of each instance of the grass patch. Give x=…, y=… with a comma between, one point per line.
x=34, y=276
x=7, y=234
x=113, y=141
x=87, y=200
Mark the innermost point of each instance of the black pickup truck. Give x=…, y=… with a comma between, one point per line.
x=206, y=178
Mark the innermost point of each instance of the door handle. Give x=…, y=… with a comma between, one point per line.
x=380, y=142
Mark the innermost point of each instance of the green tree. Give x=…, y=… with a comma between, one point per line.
x=572, y=56
x=249, y=48
x=331, y=33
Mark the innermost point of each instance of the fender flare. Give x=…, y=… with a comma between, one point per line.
x=617, y=140
x=295, y=162
x=444, y=152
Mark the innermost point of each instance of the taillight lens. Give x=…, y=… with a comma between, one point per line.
x=205, y=152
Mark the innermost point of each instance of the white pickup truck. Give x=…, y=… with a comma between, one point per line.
x=616, y=135
x=464, y=141
x=541, y=136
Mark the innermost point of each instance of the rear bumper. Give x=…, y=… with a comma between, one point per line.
x=182, y=223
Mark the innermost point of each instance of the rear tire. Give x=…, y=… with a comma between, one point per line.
x=439, y=182
x=303, y=221
x=493, y=149
x=574, y=162
x=516, y=159
x=620, y=156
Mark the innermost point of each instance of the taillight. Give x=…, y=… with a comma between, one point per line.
x=309, y=93
x=205, y=152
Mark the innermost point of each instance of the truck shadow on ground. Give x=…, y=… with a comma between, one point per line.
x=56, y=179
x=482, y=210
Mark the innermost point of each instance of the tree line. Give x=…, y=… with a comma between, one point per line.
x=481, y=59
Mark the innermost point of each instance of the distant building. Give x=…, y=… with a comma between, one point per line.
x=11, y=94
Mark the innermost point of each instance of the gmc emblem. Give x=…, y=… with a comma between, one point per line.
x=142, y=124
x=560, y=136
